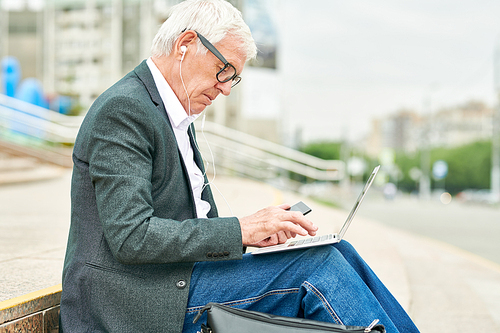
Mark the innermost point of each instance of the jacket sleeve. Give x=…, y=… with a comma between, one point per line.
x=122, y=139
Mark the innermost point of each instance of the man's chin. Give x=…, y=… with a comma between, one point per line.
x=198, y=109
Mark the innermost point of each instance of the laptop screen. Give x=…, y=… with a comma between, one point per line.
x=354, y=209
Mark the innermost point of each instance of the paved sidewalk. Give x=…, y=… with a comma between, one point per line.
x=444, y=289
x=34, y=224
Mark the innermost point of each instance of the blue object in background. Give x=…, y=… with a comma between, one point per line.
x=11, y=74
x=31, y=91
x=61, y=104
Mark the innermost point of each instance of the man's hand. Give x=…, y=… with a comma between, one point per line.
x=279, y=238
x=274, y=225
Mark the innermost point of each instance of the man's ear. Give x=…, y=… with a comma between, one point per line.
x=184, y=44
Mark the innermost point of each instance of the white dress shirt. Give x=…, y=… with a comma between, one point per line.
x=180, y=122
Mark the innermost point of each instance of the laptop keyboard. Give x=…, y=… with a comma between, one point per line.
x=311, y=240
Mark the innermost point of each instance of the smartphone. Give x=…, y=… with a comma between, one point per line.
x=300, y=207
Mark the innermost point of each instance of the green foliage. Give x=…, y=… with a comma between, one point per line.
x=326, y=150
x=405, y=163
x=469, y=166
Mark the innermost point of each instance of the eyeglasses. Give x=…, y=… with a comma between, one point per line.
x=227, y=73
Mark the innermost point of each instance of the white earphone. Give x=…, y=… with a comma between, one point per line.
x=183, y=50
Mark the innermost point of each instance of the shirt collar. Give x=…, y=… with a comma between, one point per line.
x=175, y=111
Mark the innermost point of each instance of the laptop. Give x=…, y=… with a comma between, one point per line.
x=321, y=240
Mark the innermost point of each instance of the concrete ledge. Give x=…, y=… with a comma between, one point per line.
x=61, y=156
x=34, y=312
x=40, y=173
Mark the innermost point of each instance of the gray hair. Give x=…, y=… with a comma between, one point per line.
x=214, y=19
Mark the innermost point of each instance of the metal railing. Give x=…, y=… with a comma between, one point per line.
x=242, y=154
x=30, y=120
x=30, y=130
x=41, y=132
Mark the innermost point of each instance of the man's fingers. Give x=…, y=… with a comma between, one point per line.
x=284, y=206
x=275, y=221
x=296, y=228
x=282, y=237
x=299, y=220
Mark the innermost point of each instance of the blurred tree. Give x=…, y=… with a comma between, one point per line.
x=327, y=150
x=406, y=162
x=469, y=166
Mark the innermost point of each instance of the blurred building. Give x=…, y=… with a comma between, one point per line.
x=401, y=131
x=261, y=93
x=79, y=48
x=463, y=124
x=21, y=29
x=408, y=131
x=90, y=44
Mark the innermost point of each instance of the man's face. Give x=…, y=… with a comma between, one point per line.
x=199, y=73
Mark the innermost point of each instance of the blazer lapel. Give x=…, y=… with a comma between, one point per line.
x=144, y=74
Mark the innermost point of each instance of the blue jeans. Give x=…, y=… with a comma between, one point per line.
x=326, y=283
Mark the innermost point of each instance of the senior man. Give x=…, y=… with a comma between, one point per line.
x=146, y=248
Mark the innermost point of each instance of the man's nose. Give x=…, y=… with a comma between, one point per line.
x=225, y=87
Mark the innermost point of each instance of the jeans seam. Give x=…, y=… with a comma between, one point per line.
x=249, y=300
x=323, y=300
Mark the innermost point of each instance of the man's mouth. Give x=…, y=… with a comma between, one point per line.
x=210, y=99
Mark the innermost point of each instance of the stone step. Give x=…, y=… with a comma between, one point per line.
x=12, y=163
x=15, y=169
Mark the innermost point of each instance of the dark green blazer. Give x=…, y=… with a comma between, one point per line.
x=134, y=235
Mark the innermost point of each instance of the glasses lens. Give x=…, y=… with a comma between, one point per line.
x=227, y=73
x=236, y=80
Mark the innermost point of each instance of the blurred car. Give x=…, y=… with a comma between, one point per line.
x=484, y=196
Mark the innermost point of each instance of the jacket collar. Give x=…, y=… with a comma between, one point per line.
x=144, y=74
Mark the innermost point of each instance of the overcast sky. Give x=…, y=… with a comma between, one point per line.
x=343, y=63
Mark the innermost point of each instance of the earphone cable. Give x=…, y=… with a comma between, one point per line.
x=206, y=141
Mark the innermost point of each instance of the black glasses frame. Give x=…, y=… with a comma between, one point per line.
x=235, y=78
